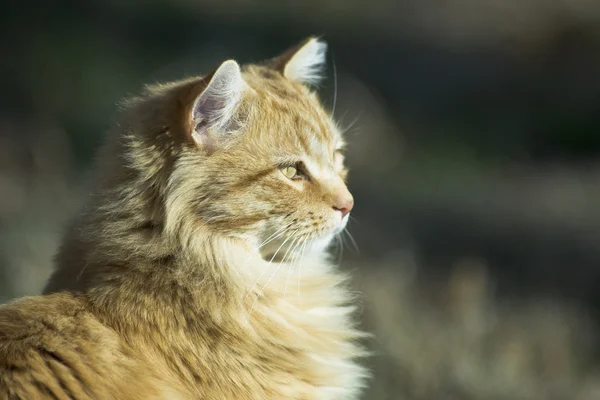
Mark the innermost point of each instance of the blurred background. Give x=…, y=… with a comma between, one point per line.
x=474, y=131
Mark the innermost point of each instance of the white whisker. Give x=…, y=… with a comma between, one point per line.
x=343, y=239
x=351, y=239
x=81, y=272
x=292, y=263
x=278, y=233
x=281, y=232
x=340, y=243
x=290, y=251
x=271, y=238
x=346, y=129
x=335, y=87
x=300, y=266
x=354, y=121
x=274, y=273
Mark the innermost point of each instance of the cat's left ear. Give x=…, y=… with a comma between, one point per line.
x=214, y=110
x=304, y=63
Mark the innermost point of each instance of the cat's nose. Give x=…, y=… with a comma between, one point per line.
x=344, y=204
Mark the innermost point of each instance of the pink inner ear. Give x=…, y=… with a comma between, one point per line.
x=215, y=108
x=219, y=100
x=206, y=110
x=200, y=126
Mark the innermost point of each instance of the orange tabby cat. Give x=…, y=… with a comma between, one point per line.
x=197, y=269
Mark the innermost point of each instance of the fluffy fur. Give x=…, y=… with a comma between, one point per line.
x=197, y=269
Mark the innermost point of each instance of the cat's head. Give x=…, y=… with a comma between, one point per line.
x=253, y=154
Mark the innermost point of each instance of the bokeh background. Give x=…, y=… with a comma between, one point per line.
x=474, y=130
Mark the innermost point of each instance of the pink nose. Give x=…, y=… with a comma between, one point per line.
x=344, y=205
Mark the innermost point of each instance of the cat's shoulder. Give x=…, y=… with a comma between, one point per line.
x=52, y=346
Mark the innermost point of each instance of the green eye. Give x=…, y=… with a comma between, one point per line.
x=290, y=172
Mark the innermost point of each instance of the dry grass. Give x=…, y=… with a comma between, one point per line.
x=455, y=340
x=449, y=339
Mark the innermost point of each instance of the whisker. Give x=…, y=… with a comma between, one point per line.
x=352, y=240
x=339, y=121
x=273, y=274
x=346, y=129
x=271, y=238
x=292, y=263
x=300, y=266
x=289, y=251
x=81, y=272
x=281, y=245
x=343, y=239
x=335, y=85
x=268, y=240
x=350, y=217
x=340, y=243
x=278, y=233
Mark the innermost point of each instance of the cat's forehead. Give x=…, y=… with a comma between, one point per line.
x=304, y=124
x=295, y=110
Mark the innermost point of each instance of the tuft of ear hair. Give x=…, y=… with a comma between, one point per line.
x=214, y=109
x=304, y=63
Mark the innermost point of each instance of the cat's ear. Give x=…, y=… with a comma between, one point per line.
x=304, y=62
x=214, y=109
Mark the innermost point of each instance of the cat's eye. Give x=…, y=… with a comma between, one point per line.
x=290, y=172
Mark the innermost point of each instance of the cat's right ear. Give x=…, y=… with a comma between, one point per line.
x=213, y=113
x=302, y=63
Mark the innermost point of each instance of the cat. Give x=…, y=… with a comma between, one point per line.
x=198, y=267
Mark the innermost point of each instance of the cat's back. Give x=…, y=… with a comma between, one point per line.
x=53, y=347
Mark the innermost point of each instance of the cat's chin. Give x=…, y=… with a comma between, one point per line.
x=277, y=253
x=340, y=227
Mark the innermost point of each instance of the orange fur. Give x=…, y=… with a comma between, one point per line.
x=162, y=288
